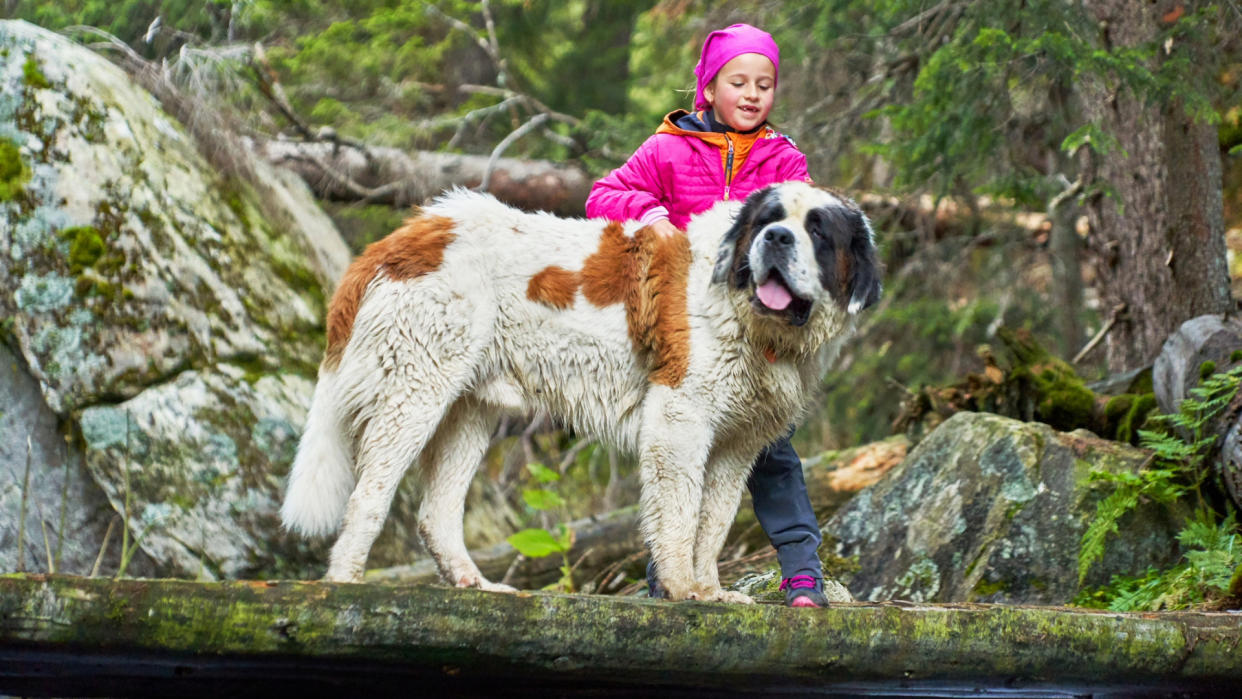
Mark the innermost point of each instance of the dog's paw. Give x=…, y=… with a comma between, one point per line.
x=495, y=587
x=678, y=592
x=342, y=576
x=729, y=596
x=482, y=583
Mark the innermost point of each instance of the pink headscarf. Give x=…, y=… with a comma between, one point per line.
x=722, y=46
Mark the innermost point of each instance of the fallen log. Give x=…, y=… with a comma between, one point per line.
x=380, y=175
x=66, y=636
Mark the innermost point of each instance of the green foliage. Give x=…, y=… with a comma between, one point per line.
x=1213, y=557
x=980, y=97
x=1179, y=467
x=129, y=19
x=537, y=542
x=1159, y=484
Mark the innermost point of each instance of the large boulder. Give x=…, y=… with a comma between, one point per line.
x=987, y=508
x=67, y=519
x=170, y=316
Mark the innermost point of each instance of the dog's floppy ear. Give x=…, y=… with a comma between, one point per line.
x=847, y=261
x=864, y=286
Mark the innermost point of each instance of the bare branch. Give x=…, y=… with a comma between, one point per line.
x=269, y=85
x=534, y=123
x=1118, y=311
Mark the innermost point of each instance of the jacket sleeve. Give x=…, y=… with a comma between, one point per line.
x=632, y=190
x=793, y=166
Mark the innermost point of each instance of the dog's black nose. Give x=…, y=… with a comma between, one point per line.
x=779, y=235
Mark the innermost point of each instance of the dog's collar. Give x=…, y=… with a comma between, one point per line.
x=770, y=354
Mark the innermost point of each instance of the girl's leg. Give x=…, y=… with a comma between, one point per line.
x=783, y=509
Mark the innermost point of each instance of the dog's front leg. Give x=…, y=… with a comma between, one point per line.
x=673, y=449
x=724, y=480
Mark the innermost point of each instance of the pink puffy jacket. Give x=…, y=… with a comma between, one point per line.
x=678, y=172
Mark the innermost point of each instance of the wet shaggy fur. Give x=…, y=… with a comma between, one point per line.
x=658, y=345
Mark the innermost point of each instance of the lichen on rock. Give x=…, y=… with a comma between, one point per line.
x=987, y=508
x=171, y=314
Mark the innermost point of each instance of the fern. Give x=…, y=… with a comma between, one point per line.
x=1213, y=554
x=1159, y=484
x=1212, y=550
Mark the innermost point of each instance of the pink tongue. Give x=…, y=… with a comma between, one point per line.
x=774, y=295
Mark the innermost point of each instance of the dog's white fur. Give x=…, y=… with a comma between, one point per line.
x=433, y=361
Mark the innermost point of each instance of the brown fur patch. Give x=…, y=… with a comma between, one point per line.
x=414, y=249
x=554, y=286
x=648, y=274
x=844, y=270
x=610, y=275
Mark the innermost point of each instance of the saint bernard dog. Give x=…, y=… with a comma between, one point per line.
x=691, y=352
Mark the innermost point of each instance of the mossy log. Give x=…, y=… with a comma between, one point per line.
x=1027, y=383
x=162, y=636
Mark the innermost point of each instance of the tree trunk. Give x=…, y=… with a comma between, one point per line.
x=1159, y=239
x=1064, y=252
x=397, y=178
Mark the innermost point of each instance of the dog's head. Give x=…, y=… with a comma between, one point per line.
x=794, y=247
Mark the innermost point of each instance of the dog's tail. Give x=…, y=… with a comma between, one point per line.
x=323, y=476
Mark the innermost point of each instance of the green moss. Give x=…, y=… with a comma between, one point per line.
x=86, y=246
x=233, y=200
x=1067, y=406
x=1118, y=406
x=986, y=589
x=1126, y=414
x=1206, y=369
x=1142, y=383
x=34, y=76
x=1235, y=356
x=13, y=171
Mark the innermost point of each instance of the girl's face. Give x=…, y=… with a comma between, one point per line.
x=742, y=92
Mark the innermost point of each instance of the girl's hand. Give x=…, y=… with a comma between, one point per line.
x=665, y=229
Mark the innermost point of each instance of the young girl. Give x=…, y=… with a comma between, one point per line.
x=726, y=150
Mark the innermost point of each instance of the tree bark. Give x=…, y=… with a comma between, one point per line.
x=1064, y=248
x=65, y=636
x=397, y=178
x=1159, y=239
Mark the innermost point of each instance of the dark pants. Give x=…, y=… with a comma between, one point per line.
x=783, y=509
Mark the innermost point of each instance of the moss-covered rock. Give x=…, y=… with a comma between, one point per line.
x=218, y=518
x=987, y=508
x=127, y=261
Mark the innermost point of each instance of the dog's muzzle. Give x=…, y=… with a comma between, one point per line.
x=773, y=293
